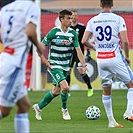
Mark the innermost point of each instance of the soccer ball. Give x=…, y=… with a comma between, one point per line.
x=93, y=113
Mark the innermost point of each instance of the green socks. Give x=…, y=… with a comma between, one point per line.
x=64, y=97
x=46, y=100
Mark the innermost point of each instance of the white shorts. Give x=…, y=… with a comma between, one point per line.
x=12, y=86
x=114, y=68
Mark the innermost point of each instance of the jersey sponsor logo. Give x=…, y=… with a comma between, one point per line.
x=106, y=55
x=14, y=10
x=106, y=45
x=101, y=21
x=60, y=41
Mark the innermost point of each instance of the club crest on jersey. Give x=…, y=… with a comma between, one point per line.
x=77, y=31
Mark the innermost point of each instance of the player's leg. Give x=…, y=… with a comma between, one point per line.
x=129, y=110
x=5, y=80
x=59, y=77
x=85, y=77
x=128, y=115
x=21, y=120
x=49, y=96
x=13, y=90
x=106, y=80
x=126, y=75
x=64, y=97
x=4, y=111
x=107, y=102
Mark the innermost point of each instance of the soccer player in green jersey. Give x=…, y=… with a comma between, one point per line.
x=62, y=41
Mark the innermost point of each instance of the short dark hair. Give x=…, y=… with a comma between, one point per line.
x=106, y=3
x=74, y=10
x=63, y=13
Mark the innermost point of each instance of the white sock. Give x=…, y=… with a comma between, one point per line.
x=0, y=114
x=107, y=102
x=129, y=101
x=21, y=123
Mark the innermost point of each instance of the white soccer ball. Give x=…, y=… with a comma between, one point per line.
x=93, y=113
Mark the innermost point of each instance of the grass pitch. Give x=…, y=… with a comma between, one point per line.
x=77, y=103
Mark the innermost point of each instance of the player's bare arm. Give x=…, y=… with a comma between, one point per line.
x=44, y=60
x=85, y=40
x=31, y=33
x=81, y=58
x=125, y=44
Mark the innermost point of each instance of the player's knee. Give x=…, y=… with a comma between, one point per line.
x=5, y=113
x=65, y=89
x=55, y=91
x=24, y=108
x=130, y=84
x=27, y=106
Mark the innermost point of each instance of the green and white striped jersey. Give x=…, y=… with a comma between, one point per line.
x=61, y=47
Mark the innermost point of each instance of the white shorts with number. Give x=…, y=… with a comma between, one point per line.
x=114, y=68
x=11, y=84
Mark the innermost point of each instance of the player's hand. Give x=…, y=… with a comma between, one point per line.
x=85, y=68
x=45, y=61
x=128, y=61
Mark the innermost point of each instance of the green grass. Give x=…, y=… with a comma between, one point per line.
x=77, y=103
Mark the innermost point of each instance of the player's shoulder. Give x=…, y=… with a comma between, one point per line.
x=120, y=17
x=81, y=24
x=54, y=30
x=116, y=17
x=93, y=18
x=72, y=31
x=32, y=5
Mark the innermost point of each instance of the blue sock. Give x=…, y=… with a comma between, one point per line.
x=21, y=123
